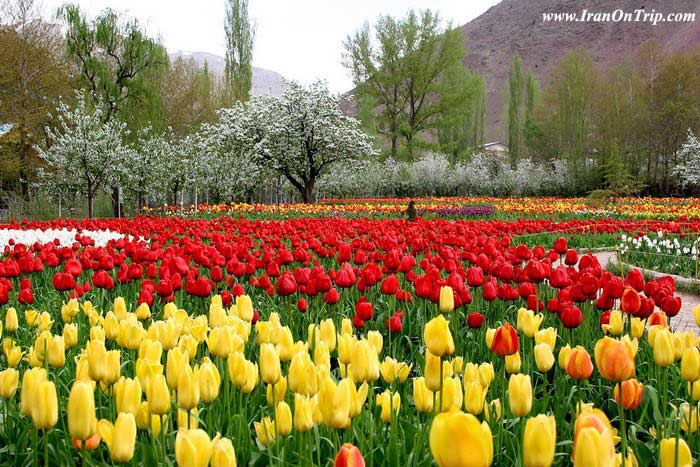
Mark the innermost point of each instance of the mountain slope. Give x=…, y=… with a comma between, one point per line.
x=511, y=26
x=265, y=82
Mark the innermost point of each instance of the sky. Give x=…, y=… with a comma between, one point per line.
x=300, y=39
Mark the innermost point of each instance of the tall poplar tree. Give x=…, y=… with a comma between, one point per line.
x=240, y=36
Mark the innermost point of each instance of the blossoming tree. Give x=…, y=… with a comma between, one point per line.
x=301, y=134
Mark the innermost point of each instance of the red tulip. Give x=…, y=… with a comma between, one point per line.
x=349, y=456
x=505, y=340
x=475, y=320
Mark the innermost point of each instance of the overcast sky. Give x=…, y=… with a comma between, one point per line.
x=300, y=39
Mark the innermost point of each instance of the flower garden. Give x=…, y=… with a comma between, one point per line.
x=484, y=332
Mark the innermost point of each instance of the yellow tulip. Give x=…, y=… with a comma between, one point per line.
x=265, y=431
x=283, y=419
x=322, y=356
x=358, y=396
x=438, y=338
x=30, y=382
x=11, y=321
x=131, y=333
x=388, y=403
x=376, y=340
x=564, y=354
x=544, y=358
x=668, y=450
x=334, y=402
x=44, y=409
x=269, y=364
x=193, y=448
x=276, y=392
x=637, y=326
x=145, y=420
x=690, y=364
x=327, y=333
x=616, y=324
x=82, y=422
x=9, y=380
x=120, y=438
x=209, y=381
x=13, y=354
x=513, y=362
x=664, y=353
x=187, y=389
x=303, y=413
x=97, y=360
x=422, y=396
x=158, y=395
x=696, y=314
x=458, y=364
x=251, y=377
x=528, y=322
x=452, y=395
x=222, y=452
x=539, y=441
x=458, y=439
x=127, y=393
x=189, y=344
x=388, y=369
x=447, y=299
x=474, y=397
x=113, y=367
x=365, y=363
x=488, y=337
x=119, y=307
x=547, y=336
x=432, y=371
x=594, y=447
x=57, y=352
x=520, y=394
x=244, y=307
x=345, y=344
x=70, y=335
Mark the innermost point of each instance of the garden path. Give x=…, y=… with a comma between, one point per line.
x=681, y=322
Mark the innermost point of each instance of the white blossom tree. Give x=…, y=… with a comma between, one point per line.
x=301, y=134
x=85, y=154
x=688, y=170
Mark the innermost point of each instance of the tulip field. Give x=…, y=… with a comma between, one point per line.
x=251, y=336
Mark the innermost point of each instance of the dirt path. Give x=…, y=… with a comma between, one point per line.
x=684, y=320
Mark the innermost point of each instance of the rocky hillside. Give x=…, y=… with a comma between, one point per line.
x=513, y=26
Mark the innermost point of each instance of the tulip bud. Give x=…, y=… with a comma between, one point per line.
x=120, y=438
x=690, y=364
x=222, y=452
x=616, y=323
x=376, y=340
x=438, y=338
x=349, y=456
x=492, y=411
x=9, y=380
x=664, y=353
x=457, y=438
x=11, y=321
x=505, y=340
x=513, y=362
x=447, y=299
x=193, y=448
x=668, y=450
x=276, y=392
x=158, y=395
x=265, y=431
x=474, y=397
x=44, y=410
x=56, y=352
x=632, y=392
x=579, y=365
x=97, y=360
x=82, y=423
x=303, y=413
x=388, y=403
x=689, y=418
x=269, y=364
x=127, y=393
x=539, y=441
x=528, y=322
x=283, y=419
x=544, y=358
x=422, y=396
x=520, y=394
x=451, y=396
x=593, y=447
x=187, y=389
x=637, y=326
x=334, y=402
x=614, y=359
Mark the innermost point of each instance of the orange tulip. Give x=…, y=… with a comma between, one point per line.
x=630, y=301
x=614, y=359
x=505, y=340
x=658, y=318
x=349, y=456
x=579, y=365
x=632, y=392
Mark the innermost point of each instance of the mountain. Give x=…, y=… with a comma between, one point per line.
x=511, y=26
x=265, y=82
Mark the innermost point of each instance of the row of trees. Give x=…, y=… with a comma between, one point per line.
x=621, y=127
x=127, y=76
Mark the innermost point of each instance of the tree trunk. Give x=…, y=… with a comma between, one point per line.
x=24, y=149
x=117, y=207
x=394, y=145
x=91, y=203
x=307, y=194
